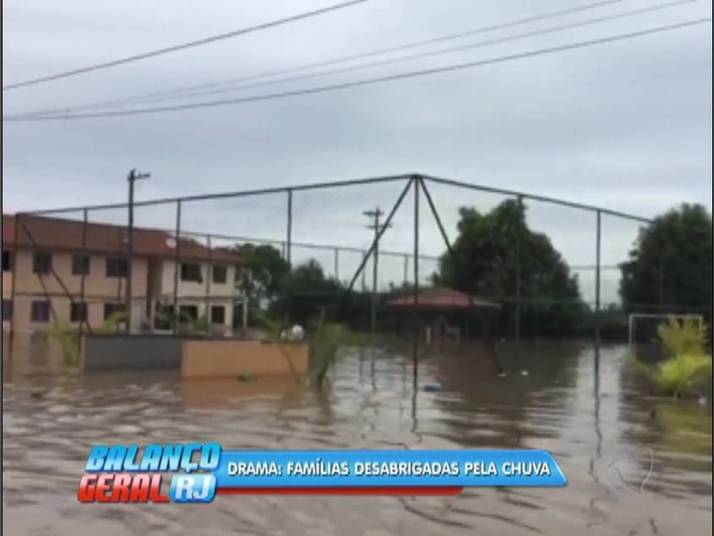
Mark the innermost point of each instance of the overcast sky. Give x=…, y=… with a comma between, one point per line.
x=626, y=125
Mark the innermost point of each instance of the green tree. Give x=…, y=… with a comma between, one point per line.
x=305, y=291
x=308, y=277
x=671, y=262
x=262, y=269
x=485, y=264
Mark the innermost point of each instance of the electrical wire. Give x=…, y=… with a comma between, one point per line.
x=176, y=48
x=427, y=54
x=368, y=81
x=193, y=90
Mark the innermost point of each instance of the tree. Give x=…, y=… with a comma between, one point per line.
x=485, y=264
x=308, y=278
x=305, y=292
x=263, y=269
x=671, y=262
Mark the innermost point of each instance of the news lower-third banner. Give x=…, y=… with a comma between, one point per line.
x=197, y=472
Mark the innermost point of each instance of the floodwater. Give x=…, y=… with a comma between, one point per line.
x=636, y=464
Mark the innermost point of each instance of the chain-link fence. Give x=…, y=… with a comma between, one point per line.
x=406, y=254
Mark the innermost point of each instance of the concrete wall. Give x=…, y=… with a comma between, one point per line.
x=231, y=358
x=131, y=352
x=197, y=358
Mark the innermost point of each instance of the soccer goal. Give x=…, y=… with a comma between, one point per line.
x=654, y=319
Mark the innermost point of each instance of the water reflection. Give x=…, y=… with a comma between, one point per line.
x=570, y=398
x=284, y=391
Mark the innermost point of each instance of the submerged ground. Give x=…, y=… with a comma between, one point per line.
x=636, y=464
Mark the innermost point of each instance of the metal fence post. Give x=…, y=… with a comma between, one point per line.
x=290, y=227
x=598, y=232
x=84, y=309
x=417, y=327
x=14, y=284
x=177, y=260
x=209, y=275
x=519, y=239
x=337, y=264
x=660, y=280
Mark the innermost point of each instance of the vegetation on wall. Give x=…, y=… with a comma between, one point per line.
x=67, y=337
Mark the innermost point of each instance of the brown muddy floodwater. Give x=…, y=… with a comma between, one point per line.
x=636, y=464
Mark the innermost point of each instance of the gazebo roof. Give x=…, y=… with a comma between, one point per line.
x=441, y=298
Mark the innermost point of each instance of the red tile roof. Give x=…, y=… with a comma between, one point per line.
x=441, y=298
x=57, y=233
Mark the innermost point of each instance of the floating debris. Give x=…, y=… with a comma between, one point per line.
x=247, y=378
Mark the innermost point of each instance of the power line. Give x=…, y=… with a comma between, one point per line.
x=368, y=81
x=460, y=48
x=182, y=46
x=199, y=89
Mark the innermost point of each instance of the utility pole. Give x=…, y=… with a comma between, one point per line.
x=131, y=179
x=375, y=215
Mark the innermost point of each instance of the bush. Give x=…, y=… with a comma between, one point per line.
x=324, y=344
x=67, y=337
x=683, y=373
x=687, y=367
x=682, y=338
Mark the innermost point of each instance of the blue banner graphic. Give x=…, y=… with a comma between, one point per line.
x=387, y=468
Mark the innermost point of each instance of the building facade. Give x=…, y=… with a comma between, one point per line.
x=58, y=270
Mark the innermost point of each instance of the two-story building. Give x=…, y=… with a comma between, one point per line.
x=63, y=270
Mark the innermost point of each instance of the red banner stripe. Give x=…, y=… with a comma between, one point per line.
x=359, y=490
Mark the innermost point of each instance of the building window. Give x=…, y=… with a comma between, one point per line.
x=218, y=314
x=80, y=264
x=111, y=309
x=163, y=317
x=6, y=260
x=6, y=309
x=40, y=311
x=117, y=267
x=220, y=274
x=188, y=313
x=41, y=262
x=78, y=312
x=191, y=272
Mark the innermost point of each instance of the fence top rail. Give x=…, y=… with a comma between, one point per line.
x=223, y=195
x=344, y=183
x=536, y=197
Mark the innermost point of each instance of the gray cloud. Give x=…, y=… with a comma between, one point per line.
x=625, y=125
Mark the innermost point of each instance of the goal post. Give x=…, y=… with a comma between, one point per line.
x=633, y=317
